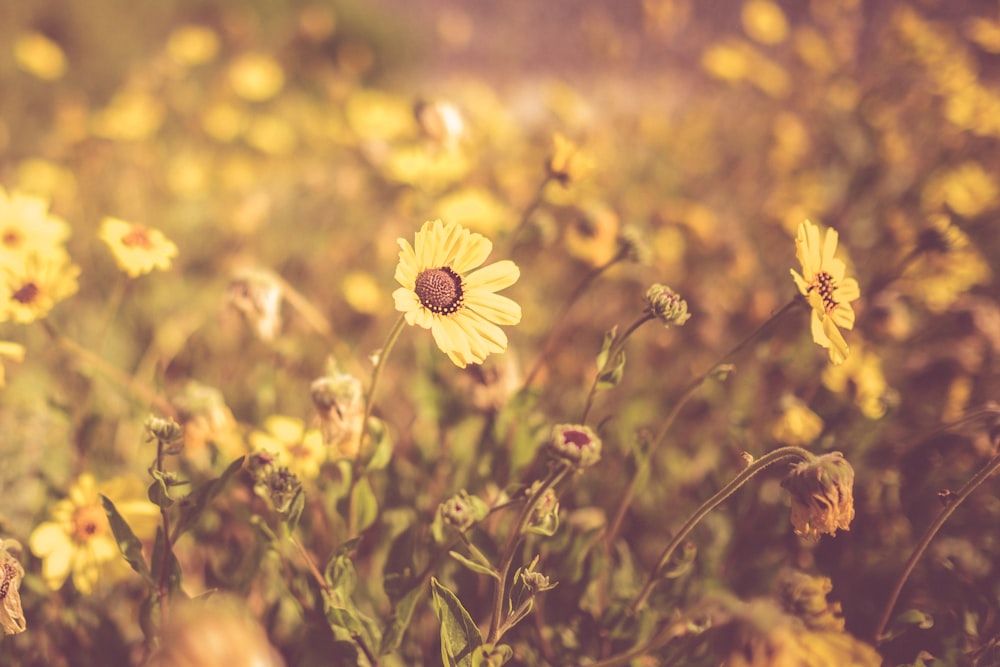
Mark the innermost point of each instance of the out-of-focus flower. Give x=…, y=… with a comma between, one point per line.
x=362, y=292
x=534, y=581
x=137, y=249
x=256, y=77
x=764, y=21
x=212, y=631
x=257, y=295
x=132, y=115
x=576, y=444
x=26, y=227
x=462, y=510
x=861, y=374
x=440, y=122
x=825, y=286
x=476, y=208
x=593, y=234
x=9, y=351
x=271, y=134
x=567, y=163
x=804, y=595
x=339, y=400
x=822, y=492
x=967, y=189
x=78, y=541
x=191, y=45
x=275, y=483
x=11, y=573
x=442, y=292
x=949, y=264
x=667, y=305
x=38, y=55
x=302, y=451
x=379, y=116
x=207, y=420
x=797, y=425
x=31, y=288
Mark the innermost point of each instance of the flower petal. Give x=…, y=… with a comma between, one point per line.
x=838, y=346
x=473, y=253
x=829, y=247
x=494, y=277
x=493, y=307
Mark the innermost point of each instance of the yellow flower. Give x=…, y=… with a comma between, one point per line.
x=11, y=573
x=797, y=425
x=568, y=163
x=302, y=451
x=822, y=282
x=822, y=492
x=256, y=77
x=137, y=249
x=11, y=351
x=38, y=55
x=30, y=289
x=27, y=227
x=79, y=542
x=439, y=293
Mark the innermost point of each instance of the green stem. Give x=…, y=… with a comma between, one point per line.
x=991, y=467
x=769, y=459
x=510, y=548
x=613, y=351
x=165, y=562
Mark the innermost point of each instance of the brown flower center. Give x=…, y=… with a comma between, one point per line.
x=27, y=293
x=440, y=290
x=88, y=523
x=12, y=237
x=9, y=572
x=137, y=238
x=578, y=438
x=823, y=284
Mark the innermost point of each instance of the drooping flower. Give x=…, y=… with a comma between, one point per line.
x=29, y=289
x=137, y=249
x=828, y=291
x=339, y=400
x=441, y=291
x=11, y=573
x=822, y=492
x=78, y=541
x=27, y=227
x=302, y=451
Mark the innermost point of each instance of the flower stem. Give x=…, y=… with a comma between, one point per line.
x=165, y=562
x=510, y=548
x=769, y=459
x=613, y=351
x=953, y=502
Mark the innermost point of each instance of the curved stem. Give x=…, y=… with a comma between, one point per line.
x=769, y=459
x=510, y=548
x=991, y=467
x=613, y=352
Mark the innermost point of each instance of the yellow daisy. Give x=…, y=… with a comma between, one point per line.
x=29, y=289
x=822, y=282
x=439, y=293
x=137, y=249
x=302, y=451
x=78, y=540
x=27, y=227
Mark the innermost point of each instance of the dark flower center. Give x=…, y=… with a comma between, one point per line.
x=87, y=523
x=578, y=438
x=27, y=293
x=440, y=290
x=137, y=238
x=823, y=284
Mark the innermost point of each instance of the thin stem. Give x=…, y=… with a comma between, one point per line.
x=671, y=417
x=616, y=347
x=310, y=563
x=991, y=467
x=769, y=459
x=165, y=562
x=510, y=548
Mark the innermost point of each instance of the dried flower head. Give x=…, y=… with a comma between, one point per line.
x=11, y=573
x=257, y=295
x=339, y=401
x=576, y=444
x=804, y=595
x=667, y=305
x=822, y=492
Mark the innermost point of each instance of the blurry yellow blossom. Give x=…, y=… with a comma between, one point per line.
x=949, y=264
x=967, y=189
x=764, y=21
x=985, y=33
x=30, y=288
x=567, y=163
x=791, y=141
x=429, y=170
x=224, y=122
x=862, y=374
x=301, y=451
x=207, y=421
x=797, y=425
x=591, y=238
x=78, y=541
x=813, y=49
x=256, y=77
x=440, y=122
x=38, y=55
x=476, y=208
x=132, y=115
x=9, y=351
x=188, y=174
x=271, y=134
x=11, y=574
x=43, y=178
x=442, y=290
x=137, y=249
x=825, y=286
x=27, y=227
x=191, y=45
x=361, y=292
x=822, y=492
x=258, y=295
x=727, y=61
x=379, y=116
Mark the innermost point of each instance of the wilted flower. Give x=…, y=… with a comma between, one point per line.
x=828, y=291
x=79, y=542
x=535, y=582
x=257, y=295
x=11, y=573
x=339, y=400
x=137, y=249
x=166, y=430
x=439, y=293
x=667, y=305
x=275, y=483
x=30, y=289
x=207, y=420
x=575, y=443
x=822, y=492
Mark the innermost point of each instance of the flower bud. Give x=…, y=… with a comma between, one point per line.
x=575, y=444
x=461, y=511
x=667, y=305
x=164, y=430
x=822, y=492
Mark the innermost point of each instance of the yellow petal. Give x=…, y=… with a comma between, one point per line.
x=493, y=307
x=494, y=277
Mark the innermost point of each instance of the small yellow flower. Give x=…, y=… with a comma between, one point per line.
x=567, y=163
x=30, y=289
x=797, y=425
x=38, y=55
x=822, y=492
x=78, y=542
x=256, y=77
x=10, y=351
x=823, y=283
x=137, y=249
x=11, y=573
x=302, y=451
x=27, y=227
x=439, y=293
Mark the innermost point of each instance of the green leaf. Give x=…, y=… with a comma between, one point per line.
x=611, y=375
x=609, y=338
x=158, y=493
x=340, y=574
x=382, y=445
x=360, y=627
x=911, y=619
x=295, y=508
x=364, y=504
x=459, y=634
x=400, y=620
x=475, y=565
x=193, y=504
x=128, y=544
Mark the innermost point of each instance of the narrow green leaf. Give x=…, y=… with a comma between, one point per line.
x=193, y=504
x=295, y=510
x=364, y=504
x=174, y=572
x=602, y=356
x=459, y=634
x=382, y=445
x=158, y=493
x=474, y=565
x=611, y=375
x=128, y=544
x=400, y=620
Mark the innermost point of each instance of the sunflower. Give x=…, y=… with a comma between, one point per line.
x=441, y=292
x=829, y=293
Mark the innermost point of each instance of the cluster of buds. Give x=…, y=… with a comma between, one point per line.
x=822, y=492
x=167, y=432
x=278, y=485
x=575, y=444
x=667, y=305
x=339, y=401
